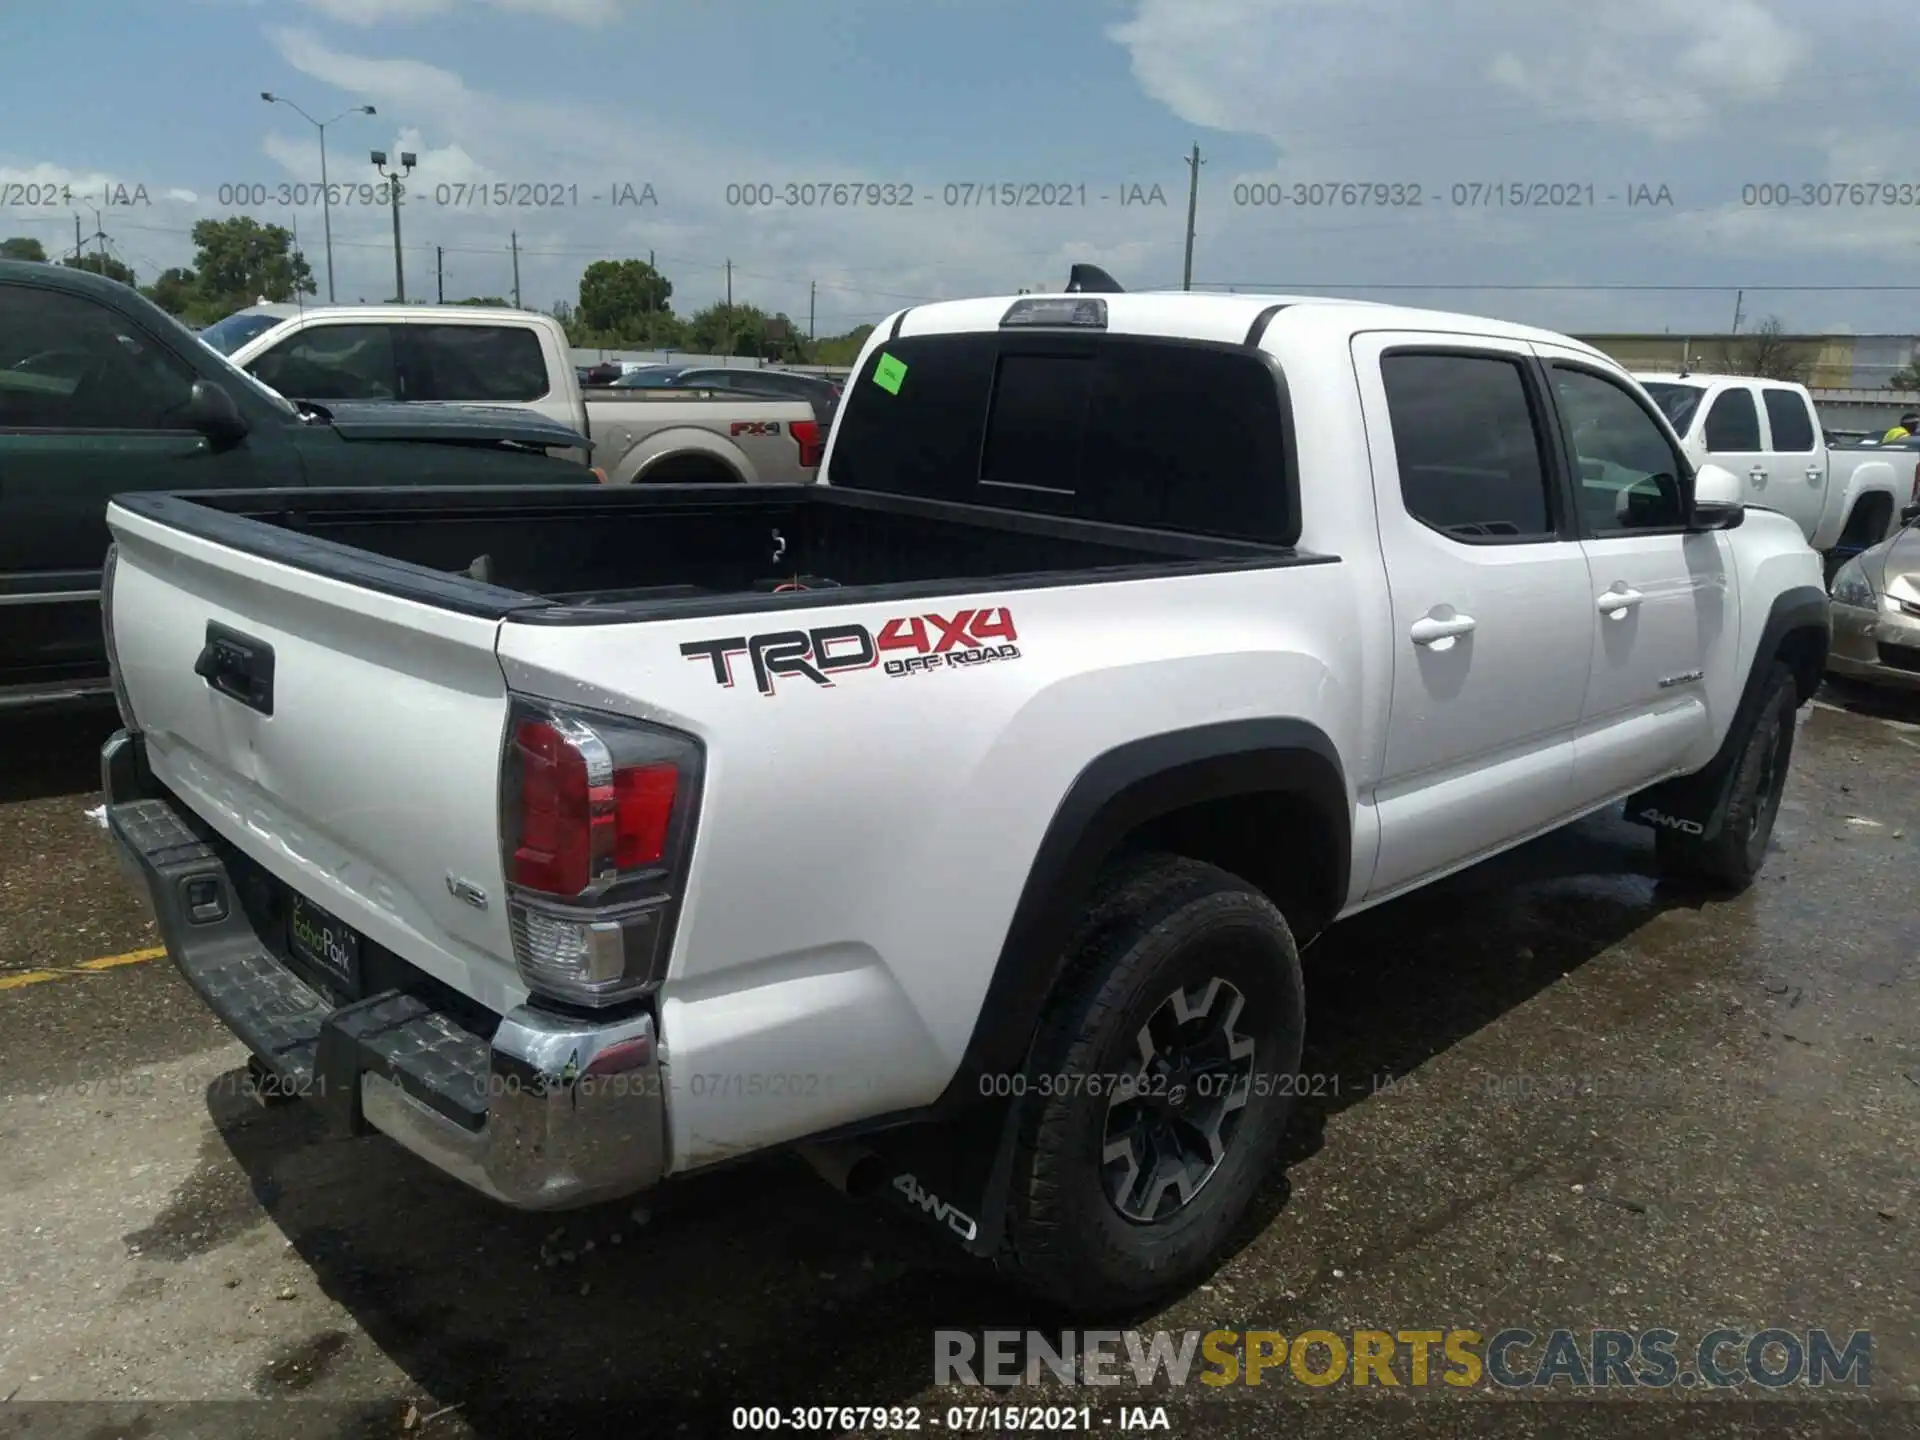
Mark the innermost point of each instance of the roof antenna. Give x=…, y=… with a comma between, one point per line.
x=1092, y=280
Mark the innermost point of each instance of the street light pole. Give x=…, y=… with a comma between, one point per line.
x=407, y=161
x=326, y=196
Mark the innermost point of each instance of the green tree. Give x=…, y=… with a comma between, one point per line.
x=97, y=264
x=618, y=295
x=840, y=349
x=728, y=330
x=493, y=300
x=22, y=247
x=239, y=261
x=177, y=291
x=1907, y=379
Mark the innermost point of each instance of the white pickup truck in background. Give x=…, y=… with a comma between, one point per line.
x=1768, y=433
x=469, y=354
x=957, y=821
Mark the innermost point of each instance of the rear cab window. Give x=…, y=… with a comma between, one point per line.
x=1789, y=420
x=479, y=364
x=1733, y=424
x=1164, y=434
x=1470, y=446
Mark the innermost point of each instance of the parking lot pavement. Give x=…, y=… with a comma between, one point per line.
x=1554, y=1095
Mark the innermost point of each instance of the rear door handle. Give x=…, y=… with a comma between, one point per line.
x=1816, y=474
x=1428, y=631
x=1618, y=602
x=1757, y=475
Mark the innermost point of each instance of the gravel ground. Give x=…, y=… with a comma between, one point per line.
x=1566, y=1098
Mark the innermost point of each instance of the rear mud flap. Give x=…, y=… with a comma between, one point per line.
x=951, y=1176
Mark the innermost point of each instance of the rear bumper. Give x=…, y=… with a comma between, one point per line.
x=548, y=1112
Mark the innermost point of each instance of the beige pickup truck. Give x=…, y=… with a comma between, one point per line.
x=691, y=438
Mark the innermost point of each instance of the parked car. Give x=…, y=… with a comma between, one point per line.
x=823, y=395
x=101, y=393
x=462, y=354
x=1768, y=432
x=663, y=436
x=1876, y=611
x=607, y=372
x=237, y=329
x=439, y=354
x=1212, y=619
x=651, y=377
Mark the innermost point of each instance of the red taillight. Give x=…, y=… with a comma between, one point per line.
x=643, y=805
x=575, y=824
x=807, y=434
x=562, y=814
x=596, y=823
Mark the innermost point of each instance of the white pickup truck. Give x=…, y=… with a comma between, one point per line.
x=469, y=354
x=957, y=821
x=1768, y=432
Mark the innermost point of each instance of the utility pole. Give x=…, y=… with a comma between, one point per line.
x=515, y=241
x=810, y=285
x=1194, y=162
x=440, y=274
x=407, y=161
x=729, y=286
x=1738, y=298
x=79, y=245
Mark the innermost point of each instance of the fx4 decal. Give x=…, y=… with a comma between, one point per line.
x=1673, y=822
x=755, y=427
x=916, y=645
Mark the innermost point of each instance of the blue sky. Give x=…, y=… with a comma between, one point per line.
x=1703, y=97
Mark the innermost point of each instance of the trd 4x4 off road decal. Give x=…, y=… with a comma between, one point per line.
x=916, y=644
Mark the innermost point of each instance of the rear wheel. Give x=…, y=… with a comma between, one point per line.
x=1158, y=1090
x=1734, y=856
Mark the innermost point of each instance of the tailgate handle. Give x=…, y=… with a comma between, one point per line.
x=238, y=666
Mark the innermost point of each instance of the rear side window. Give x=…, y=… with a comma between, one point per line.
x=1733, y=423
x=1155, y=433
x=486, y=364
x=1787, y=417
x=1468, y=445
x=333, y=362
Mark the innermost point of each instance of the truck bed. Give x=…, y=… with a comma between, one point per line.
x=625, y=553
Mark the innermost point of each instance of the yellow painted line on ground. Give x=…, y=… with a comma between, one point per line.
x=31, y=977
x=132, y=957
x=104, y=962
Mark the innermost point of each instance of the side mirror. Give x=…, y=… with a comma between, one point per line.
x=1719, y=501
x=211, y=411
x=1910, y=514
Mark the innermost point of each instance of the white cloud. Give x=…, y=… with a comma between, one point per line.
x=863, y=262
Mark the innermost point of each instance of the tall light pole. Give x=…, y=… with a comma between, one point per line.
x=407, y=159
x=326, y=200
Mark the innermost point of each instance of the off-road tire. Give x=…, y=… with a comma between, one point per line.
x=1733, y=857
x=1156, y=924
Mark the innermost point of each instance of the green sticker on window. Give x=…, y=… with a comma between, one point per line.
x=889, y=373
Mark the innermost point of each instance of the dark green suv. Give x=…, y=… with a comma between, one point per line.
x=101, y=392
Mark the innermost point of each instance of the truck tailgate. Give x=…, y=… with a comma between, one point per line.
x=370, y=789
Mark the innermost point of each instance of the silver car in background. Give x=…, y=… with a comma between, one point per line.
x=1876, y=611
